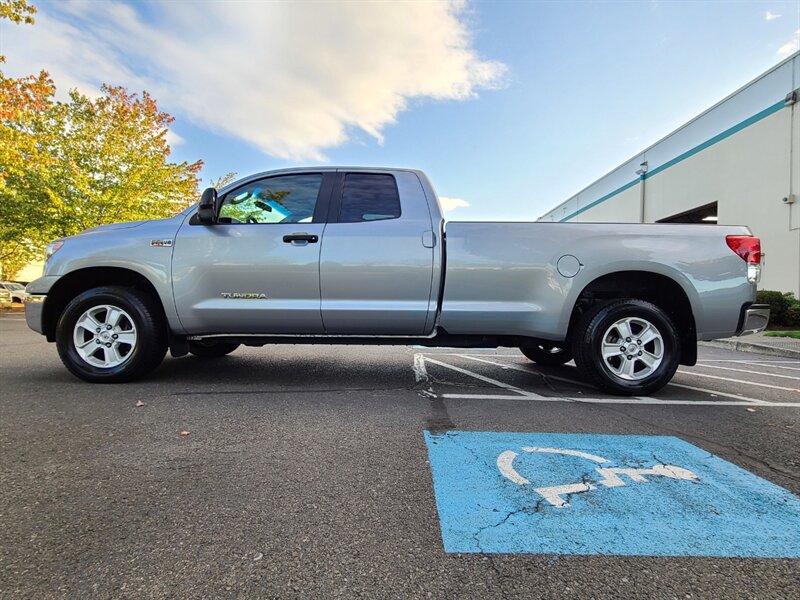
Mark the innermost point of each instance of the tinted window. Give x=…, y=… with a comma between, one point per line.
x=284, y=199
x=369, y=197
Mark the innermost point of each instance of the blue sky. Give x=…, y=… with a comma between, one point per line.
x=510, y=107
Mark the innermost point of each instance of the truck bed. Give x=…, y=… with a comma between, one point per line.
x=524, y=278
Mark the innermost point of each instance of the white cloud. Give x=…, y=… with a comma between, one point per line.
x=791, y=46
x=174, y=139
x=452, y=203
x=771, y=16
x=293, y=79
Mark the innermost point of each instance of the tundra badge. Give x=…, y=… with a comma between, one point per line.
x=243, y=296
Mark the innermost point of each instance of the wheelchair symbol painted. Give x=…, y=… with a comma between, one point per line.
x=609, y=476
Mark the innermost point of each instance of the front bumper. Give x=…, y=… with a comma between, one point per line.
x=754, y=319
x=34, y=310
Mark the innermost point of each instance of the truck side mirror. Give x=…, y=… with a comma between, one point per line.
x=207, y=209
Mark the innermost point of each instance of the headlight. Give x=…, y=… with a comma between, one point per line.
x=52, y=248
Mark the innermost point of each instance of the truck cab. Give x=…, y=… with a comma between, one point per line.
x=312, y=252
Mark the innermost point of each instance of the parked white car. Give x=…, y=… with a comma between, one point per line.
x=15, y=290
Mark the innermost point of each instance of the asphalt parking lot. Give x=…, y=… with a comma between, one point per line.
x=324, y=472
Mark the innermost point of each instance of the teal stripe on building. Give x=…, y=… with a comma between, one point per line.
x=770, y=110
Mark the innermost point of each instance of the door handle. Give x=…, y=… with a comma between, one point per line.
x=301, y=237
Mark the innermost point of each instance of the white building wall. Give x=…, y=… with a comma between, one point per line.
x=743, y=153
x=795, y=162
x=624, y=208
x=747, y=175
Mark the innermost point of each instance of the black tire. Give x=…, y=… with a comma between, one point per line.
x=142, y=312
x=210, y=350
x=607, y=373
x=547, y=354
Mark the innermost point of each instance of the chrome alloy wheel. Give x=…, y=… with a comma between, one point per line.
x=632, y=348
x=104, y=336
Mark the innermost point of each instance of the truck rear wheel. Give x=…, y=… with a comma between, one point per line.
x=111, y=334
x=629, y=347
x=547, y=354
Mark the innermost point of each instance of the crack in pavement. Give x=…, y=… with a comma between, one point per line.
x=699, y=439
x=537, y=507
x=549, y=384
x=490, y=555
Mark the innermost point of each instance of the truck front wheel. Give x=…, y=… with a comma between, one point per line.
x=111, y=334
x=629, y=347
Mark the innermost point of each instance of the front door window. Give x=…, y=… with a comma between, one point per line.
x=283, y=199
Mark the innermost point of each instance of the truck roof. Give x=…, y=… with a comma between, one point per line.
x=329, y=168
x=318, y=169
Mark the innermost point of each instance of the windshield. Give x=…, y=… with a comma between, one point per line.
x=14, y=286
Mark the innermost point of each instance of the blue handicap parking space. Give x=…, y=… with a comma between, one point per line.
x=559, y=493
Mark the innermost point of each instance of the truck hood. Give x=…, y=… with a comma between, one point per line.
x=114, y=226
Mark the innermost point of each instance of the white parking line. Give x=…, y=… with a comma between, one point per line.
x=486, y=379
x=765, y=385
x=428, y=351
x=583, y=384
x=755, y=360
x=640, y=400
x=524, y=370
x=747, y=371
x=717, y=393
x=503, y=397
x=771, y=366
x=523, y=395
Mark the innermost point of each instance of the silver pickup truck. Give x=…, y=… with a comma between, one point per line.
x=364, y=256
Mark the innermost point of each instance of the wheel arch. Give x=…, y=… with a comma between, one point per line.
x=656, y=288
x=76, y=282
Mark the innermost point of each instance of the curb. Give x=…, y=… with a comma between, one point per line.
x=750, y=347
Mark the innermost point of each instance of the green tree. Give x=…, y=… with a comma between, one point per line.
x=19, y=100
x=14, y=259
x=23, y=104
x=84, y=162
x=18, y=11
x=68, y=166
x=221, y=182
x=110, y=163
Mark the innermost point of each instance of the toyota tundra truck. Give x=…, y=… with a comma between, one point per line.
x=340, y=255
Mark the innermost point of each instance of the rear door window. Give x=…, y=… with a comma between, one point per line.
x=369, y=197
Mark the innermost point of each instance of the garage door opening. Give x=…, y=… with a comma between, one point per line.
x=706, y=214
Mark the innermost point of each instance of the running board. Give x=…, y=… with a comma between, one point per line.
x=438, y=339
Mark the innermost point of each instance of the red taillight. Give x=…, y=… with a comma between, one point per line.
x=746, y=246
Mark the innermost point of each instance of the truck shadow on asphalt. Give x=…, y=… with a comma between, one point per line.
x=332, y=369
x=326, y=372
